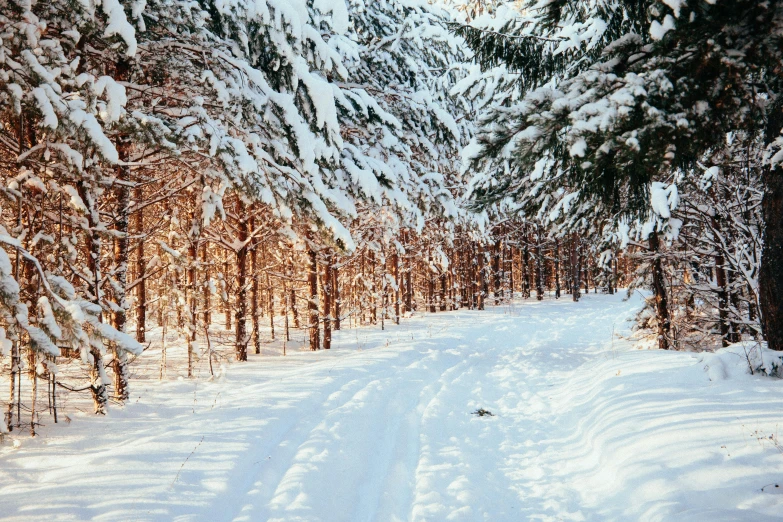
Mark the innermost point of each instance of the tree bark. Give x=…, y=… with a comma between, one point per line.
x=206, y=291
x=226, y=298
x=374, y=291
x=482, y=280
x=496, y=273
x=408, y=275
x=659, y=290
x=241, y=340
x=396, y=268
x=525, y=266
x=443, y=303
x=292, y=294
x=771, y=271
x=575, y=266
x=141, y=270
x=254, y=300
x=192, y=291
x=327, y=291
x=119, y=316
x=557, y=268
x=539, y=274
x=723, y=297
x=312, y=304
x=430, y=285
x=336, y=296
x=97, y=374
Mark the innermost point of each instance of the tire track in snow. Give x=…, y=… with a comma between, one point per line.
x=286, y=489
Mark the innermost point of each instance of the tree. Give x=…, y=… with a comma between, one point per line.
x=617, y=96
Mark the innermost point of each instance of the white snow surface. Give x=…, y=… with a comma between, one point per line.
x=586, y=426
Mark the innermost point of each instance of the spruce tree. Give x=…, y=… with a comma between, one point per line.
x=619, y=95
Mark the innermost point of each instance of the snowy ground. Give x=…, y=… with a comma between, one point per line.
x=585, y=427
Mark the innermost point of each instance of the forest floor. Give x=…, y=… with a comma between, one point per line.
x=585, y=425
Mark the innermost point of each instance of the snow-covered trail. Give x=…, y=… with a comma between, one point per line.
x=380, y=428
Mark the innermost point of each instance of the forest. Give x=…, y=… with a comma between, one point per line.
x=185, y=165
x=506, y=206
x=213, y=178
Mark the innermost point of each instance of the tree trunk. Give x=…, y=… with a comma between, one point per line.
x=396, y=268
x=659, y=290
x=610, y=275
x=9, y=412
x=771, y=272
x=575, y=266
x=192, y=293
x=119, y=316
x=734, y=311
x=510, y=261
x=15, y=355
x=312, y=304
x=226, y=298
x=254, y=300
x=141, y=270
x=585, y=263
x=292, y=294
x=97, y=374
x=206, y=291
x=615, y=270
x=443, y=303
x=482, y=280
x=474, y=284
x=374, y=290
x=241, y=341
x=539, y=274
x=496, y=274
x=430, y=285
x=723, y=299
x=286, y=306
x=557, y=268
x=525, y=275
x=327, y=291
x=408, y=275
x=336, y=296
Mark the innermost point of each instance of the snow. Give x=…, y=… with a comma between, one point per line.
x=47, y=317
x=45, y=106
x=76, y=202
x=93, y=129
x=585, y=426
x=119, y=25
x=578, y=148
x=663, y=199
x=115, y=98
x=675, y=5
x=5, y=344
x=338, y=11
x=658, y=30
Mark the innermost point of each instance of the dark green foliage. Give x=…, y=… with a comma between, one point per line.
x=529, y=45
x=667, y=103
x=652, y=98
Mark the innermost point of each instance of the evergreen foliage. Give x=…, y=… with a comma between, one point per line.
x=625, y=96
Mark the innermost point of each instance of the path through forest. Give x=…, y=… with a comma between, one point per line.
x=584, y=427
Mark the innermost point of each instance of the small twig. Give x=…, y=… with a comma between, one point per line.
x=72, y=389
x=186, y=460
x=457, y=26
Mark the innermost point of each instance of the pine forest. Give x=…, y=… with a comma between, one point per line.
x=566, y=215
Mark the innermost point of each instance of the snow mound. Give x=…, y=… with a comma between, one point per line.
x=741, y=360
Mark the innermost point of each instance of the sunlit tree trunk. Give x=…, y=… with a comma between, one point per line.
x=312, y=304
